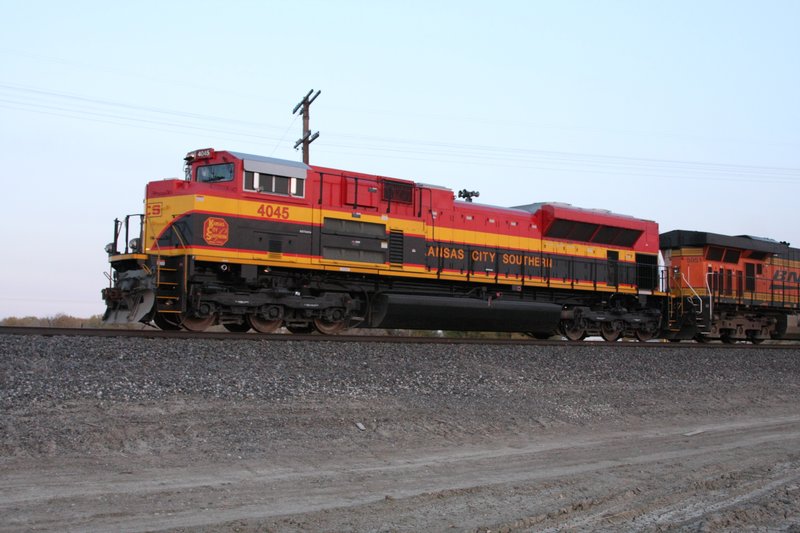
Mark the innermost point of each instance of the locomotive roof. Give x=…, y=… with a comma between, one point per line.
x=431, y=186
x=270, y=160
x=533, y=208
x=272, y=165
x=680, y=238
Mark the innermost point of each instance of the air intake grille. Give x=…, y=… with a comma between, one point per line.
x=396, y=247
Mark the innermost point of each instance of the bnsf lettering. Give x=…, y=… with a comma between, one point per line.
x=783, y=275
x=273, y=211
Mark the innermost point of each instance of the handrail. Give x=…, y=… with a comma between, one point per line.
x=117, y=229
x=127, y=231
x=710, y=296
x=177, y=233
x=683, y=276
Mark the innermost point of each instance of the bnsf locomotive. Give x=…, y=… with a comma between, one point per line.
x=252, y=242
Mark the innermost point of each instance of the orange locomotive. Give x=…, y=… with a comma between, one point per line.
x=254, y=242
x=732, y=288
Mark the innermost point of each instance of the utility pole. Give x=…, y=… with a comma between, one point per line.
x=307, y=137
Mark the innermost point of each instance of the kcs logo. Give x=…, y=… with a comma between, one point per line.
x=215, y=231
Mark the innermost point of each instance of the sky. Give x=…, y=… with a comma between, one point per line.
x=682, y=112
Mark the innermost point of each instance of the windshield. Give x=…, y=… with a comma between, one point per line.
x=211, y=173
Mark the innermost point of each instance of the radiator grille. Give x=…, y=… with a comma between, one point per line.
x=396, y=247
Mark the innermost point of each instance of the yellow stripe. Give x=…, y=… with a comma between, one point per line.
x=786, y=263
x=687, y=252
x=126, y=257
x=764, y=297
x=170, y=206
x=164, y=209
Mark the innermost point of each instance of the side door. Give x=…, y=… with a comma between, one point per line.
x=612, y=259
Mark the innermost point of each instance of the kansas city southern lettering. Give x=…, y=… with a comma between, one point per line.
x=452, y=252
x=526, y=260
x=445, y=252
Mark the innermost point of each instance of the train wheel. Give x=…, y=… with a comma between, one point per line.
x=300, y=329
x=262, y=325
x=167, y=322
x=609, y=332
x=192, y=323
x=727, y=339
x=573, y=330
x=702, y=339
x=327, y=327
x=237, y=327
x=644, y=335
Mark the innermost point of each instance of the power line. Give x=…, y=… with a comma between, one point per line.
x=470, y=150
x=123, y=114
x=532, y=165
x=586, y=162
x=283, y=137
x=112, y=104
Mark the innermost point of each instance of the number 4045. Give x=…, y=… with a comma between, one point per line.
x=273, y=211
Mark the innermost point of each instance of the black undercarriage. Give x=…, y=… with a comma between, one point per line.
x=237, y=295
x=181, y=292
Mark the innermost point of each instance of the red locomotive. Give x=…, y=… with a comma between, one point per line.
x=255, y=242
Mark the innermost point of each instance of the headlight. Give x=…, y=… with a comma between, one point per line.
x=109, y=248
x=135, y=244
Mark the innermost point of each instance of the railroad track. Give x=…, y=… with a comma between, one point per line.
x=395, y=339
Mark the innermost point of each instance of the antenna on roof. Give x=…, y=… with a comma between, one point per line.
x=307, y=137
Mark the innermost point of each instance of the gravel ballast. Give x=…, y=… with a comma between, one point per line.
x=276, y=386
x=139, y=434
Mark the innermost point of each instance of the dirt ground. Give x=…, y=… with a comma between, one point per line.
x=159, y=435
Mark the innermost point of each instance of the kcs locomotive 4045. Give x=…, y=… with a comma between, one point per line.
x=254, y=242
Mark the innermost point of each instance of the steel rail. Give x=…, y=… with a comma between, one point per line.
x=392, y=339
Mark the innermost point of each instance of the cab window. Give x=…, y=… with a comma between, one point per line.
x=271, y=184
x=215, y=173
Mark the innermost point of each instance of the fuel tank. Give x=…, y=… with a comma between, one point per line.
x=403, y=311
